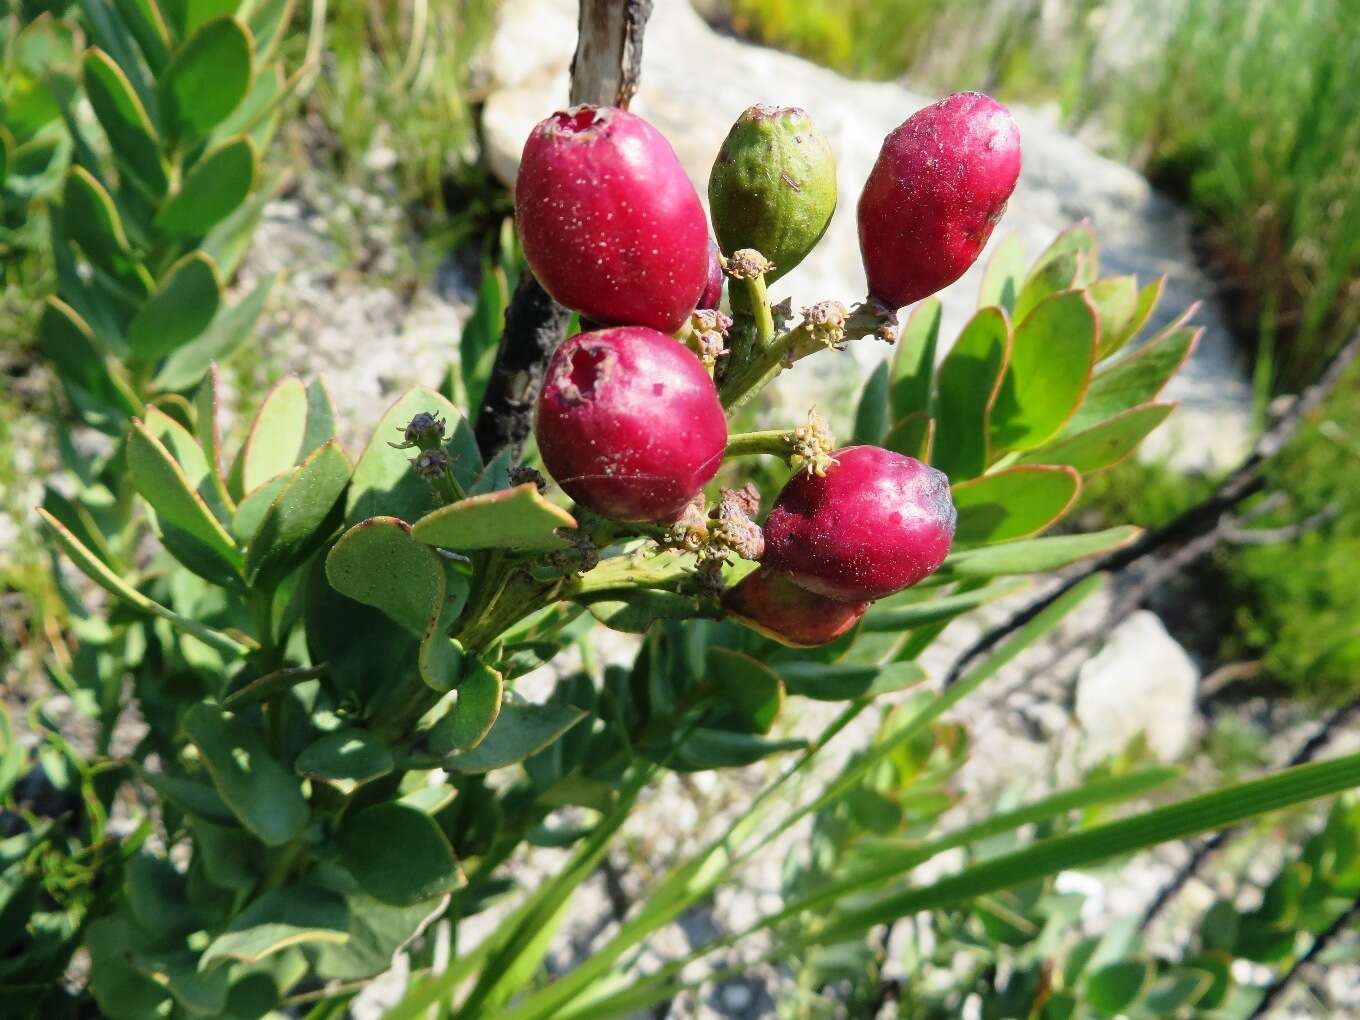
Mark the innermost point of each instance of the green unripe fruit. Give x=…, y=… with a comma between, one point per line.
x=773, y=186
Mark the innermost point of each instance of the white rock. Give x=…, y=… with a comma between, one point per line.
x=694, y=84
x=1141, y=681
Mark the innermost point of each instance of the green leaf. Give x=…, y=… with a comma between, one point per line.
x=520, y=731
x=251, y=510
x=348, y=758
x=377, y=931
x=1052, y=354
x=122, y=992
x=1037, y=554
x=302, y=516
x=187, y=15
x=1015, y=503
x=277, y=435
x=291, y=916
x=845, y=681
x=67, y=341
x=177, y=970
x=427, y=866
x=969, y=380
x=1146, y=304
x=164, y=485
x=1104, y=445
x=97, y=571
x=378, y=563
x=268, y=19
x=207, y=76
x=229, y=329
x=155, y=893
x=634, y=610
x=1115, y=299
x=913, y=436
x=193, y=798
x=1177, y=989
x=231, y=857
x=229, y=241
x=1134, y=379
x=143, y=19
x=899, y=612
x=1117, y=986
x=1203, y=813
x=264, y=796
x=207, y=427
x=124, y=120
x=384, y=483
x=753, y=690
x=1058, y=274
x=519, y=519
x=213, y=189
x=872, y=415
x=92, y=221
x=1003, y=275
x=180, y=310
x=913, y=362
x=706, y=748
x=1078, y=238
x=1219, y=927
x=266, y=686
x=477, y=707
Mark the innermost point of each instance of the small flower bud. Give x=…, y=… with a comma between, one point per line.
x=708, y=335
x=747, y=264
x=425, y=430
x=431, y=464
x=826, y=322
x=813, y=444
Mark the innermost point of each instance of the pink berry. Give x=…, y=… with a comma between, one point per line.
x=611, y=226
x=629, y=423
x=776, y=607
x=876, y=523
x=939, y=186
x=711, y=298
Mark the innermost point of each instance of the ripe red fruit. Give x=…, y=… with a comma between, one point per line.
x=939, y=186
x=711, y=298
x=629, y=423
x=876, y=523
x=610, y=224
x=776, y=607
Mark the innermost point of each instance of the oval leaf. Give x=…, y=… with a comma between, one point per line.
x=124, y=120
x=378, y=563
x=347, y=758
x=207, y=76
x=1134, y=379
x=1148, y=298
x=519, y=731
x=423, y=866
x=302, y=516
x=1015, y=503
x=180, y=310
x=217, y=184
x=519, y=519
x=1058, y=274
x=478, y=705
x=163, y=484
x=265, y=797
x=294, y=915
x=753, y=690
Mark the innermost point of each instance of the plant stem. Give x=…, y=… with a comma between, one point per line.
x=771, y=442
x=760, y=311
x=629, y=572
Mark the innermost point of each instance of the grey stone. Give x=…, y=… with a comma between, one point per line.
x=694, y=84
x=1140, y=682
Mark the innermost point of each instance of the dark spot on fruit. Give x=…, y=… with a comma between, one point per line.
x=587, y=367
x=658, y=389
x=790, y=181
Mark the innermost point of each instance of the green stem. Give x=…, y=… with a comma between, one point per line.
x=771, y=442
x=629, y=572
x=752, y=377
x=760, y=311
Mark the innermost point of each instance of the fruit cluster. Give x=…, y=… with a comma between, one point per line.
x=632, y=417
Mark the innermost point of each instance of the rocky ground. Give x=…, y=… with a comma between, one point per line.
x=355, y=308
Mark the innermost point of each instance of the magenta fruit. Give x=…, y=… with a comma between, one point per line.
x=776, y=607
x=876, y=523
x=629, y=423
x=611, y=226
x=711, y=298
x=939, y=186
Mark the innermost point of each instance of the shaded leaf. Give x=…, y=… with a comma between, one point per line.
x=92, y=220
x=872, y=415
x=913, y=436
x=913, y=360
x=1002, y=278
x=301, y=517
x=520, y=730
x=264, y=796
x=477, y=707
x=124, y=120
x=294, y=915
x=753, y=690
x=896, y=613
x=633, y=611
x=346, y=757
x=845, y=681
x=427, y=866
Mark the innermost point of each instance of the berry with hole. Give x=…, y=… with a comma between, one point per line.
x=629, y=423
